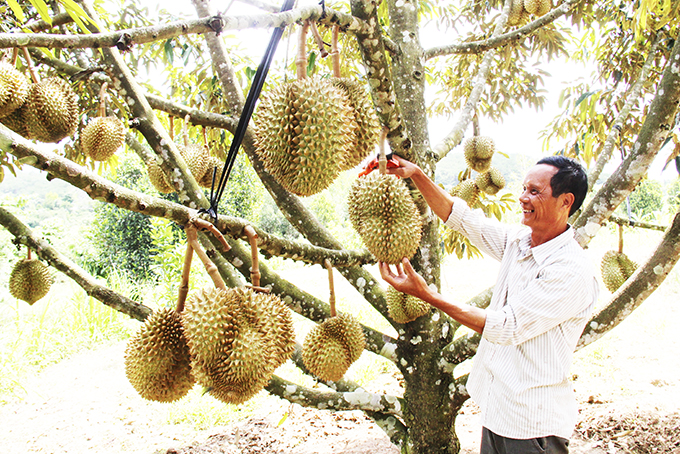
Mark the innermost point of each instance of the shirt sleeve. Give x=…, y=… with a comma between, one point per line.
x=489, y=235
x=557, y=294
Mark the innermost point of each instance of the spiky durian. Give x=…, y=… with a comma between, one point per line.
x=29, y=280
x=478, y=151
x=368, y=126
x=16, y=121
x=102, y=137
x=538, y=7
x=385, y=217
x=490, y=181
x=516, y=12
x=51, y=110
x=404, y=308
x=332, y=346
x=237, y=339
x=14, y=88
x=157, y=360
x=303, y=132
x=213, y=163
x=196, y=157
x=158, y=178
x=616, y=268
x=468, y=191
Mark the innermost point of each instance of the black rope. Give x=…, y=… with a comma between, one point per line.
x=248, y=108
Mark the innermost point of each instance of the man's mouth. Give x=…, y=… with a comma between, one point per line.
x=527, y=211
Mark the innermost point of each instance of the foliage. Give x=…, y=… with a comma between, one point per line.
x=646, y=200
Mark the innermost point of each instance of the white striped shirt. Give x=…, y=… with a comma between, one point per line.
x=541, y=302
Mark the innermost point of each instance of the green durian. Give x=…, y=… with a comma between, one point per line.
x=490, y=181
x=616, y=268
x=29, y=280
x=478, y=151
x=403, y=308
x=102, y=137
x=51, y=110
x=468, y=191
x=14, y=89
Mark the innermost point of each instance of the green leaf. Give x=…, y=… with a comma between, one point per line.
x=78, y=15
x=311, y=63
x=42, y=9
x=16, y=9
x=169, y=51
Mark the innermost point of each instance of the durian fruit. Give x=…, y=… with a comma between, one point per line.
x=158, y=178
x=490, y=181
x=157, y=359
x=16, y=121
x=51, y=110
x=196, y=157
x=478, y=151
x=616, y=268
x=368, y=126
x=404, y=308
x=304, y=129
x=516, y=12
x=537, y=7
x=213, y=163
x=14, y=88
x=237, y=338
x=332, y=346
x=468, y=191
x=29, y=280
x=102, y=137
x=385, y=216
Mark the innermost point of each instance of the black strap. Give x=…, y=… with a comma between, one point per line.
x=248, y=108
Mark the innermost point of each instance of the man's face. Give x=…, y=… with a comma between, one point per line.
x=540, y=210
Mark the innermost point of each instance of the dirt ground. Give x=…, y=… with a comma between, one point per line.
x=627, y=385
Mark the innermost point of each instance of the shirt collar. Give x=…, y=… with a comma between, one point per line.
x=545, y=250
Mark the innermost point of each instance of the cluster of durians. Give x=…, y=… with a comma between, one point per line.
x=48, y=111
x=228, y=341
x=311, y=129
x=478, y=152
x=522, y=10
x=199, y=161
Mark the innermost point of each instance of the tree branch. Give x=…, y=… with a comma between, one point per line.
x=454, y=138
x=42, y=248
x=658, y=123
x=494, y=42
x=638, y=287
x=123, y=40
x=642, y=225
x=338, y=401
x=632, y=98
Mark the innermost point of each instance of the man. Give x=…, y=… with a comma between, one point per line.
x=542, y=300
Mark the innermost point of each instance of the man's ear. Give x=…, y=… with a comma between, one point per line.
x=567, y=200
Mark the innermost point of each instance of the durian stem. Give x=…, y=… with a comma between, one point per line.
x=171, y=121
x=185, y=129
x=620, y=239
x=382, y=156
x=31, y=68
x=202, y=224
x=184, y=283
x=15, y=55
x=319, y=41
x=255, y=267
x=475, y=124
x=28, y=254
x=205, y=137
x=335, y=53
x=301, y=61
x=102, y=99
x=210, y=267
x=331, y=286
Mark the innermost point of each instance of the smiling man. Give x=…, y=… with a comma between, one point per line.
x=543, y=297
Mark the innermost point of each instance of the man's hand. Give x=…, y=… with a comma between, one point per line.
x=405, y=280
x=406, y=168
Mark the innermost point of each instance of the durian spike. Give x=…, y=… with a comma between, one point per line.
x=331, y=286
x=301, y=60
x=184, y=284
x=185, y=129
x=319, y=41
x=102, y=100
x=255, y=267
x=31, y=68
x=620, y=239
x=382, y=157
x=213, y=272
x=335, y=53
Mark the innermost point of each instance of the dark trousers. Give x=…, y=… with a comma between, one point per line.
x=495, y=444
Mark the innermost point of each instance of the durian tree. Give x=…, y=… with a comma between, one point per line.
x=494, y=59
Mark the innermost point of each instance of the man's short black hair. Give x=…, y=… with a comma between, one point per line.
x=570, y=177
